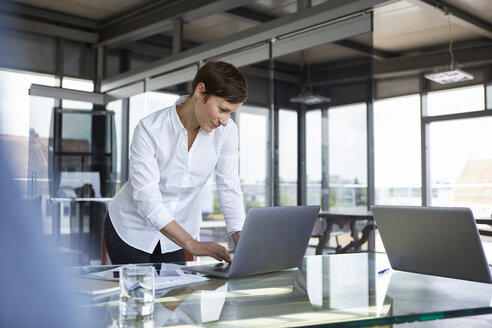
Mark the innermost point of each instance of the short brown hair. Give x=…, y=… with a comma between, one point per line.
x=222, y=80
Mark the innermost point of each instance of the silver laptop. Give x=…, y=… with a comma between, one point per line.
x=440, y=241
x=273, y=239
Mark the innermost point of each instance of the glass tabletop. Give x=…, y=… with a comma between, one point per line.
x=343, y=290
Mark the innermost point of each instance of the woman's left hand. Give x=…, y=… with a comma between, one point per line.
x=209, y=248
x=179, y=236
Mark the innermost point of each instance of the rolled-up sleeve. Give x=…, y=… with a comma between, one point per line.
x=145, y=178
x=228, y=182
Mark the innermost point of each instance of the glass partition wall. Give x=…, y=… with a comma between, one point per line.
x=330, y=111
x=310, y=133
x=333, y=101
x=287, y=157
x=397, y=151
x=253, y=148
x=335, y=139
x=303, y=133
x=72, y=169
x=460, y=161
x=293, y=150
x=15, y=130
x=252, y=121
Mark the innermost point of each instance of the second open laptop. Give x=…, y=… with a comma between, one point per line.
x=441, y=241
x=272, y=239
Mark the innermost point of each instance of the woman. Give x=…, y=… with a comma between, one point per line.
x=156, y=215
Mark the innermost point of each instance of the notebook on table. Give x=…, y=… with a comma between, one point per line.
x=440, y=241
x=272, y=239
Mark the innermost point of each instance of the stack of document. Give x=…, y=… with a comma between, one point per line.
x=104, y=282
x=163, y=282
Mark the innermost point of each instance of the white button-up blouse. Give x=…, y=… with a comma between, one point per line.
x=165, y=180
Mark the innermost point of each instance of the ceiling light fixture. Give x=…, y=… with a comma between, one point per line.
x=449, y=76
x=453, y=73
x=309, y=97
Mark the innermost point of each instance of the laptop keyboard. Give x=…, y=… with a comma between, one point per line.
x=222, y=268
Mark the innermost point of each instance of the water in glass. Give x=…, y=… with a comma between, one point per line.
x=136, y=291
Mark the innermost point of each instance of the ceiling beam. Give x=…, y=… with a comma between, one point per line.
x=159, y=17
x=320, y=14
x=458, y=16
x=158, y=45
x=145, y=48
x=19, y=9
x=249, y=15
x=69, y=94
x=167, y=41
x=252, y=16
x=37, y=27
x=278, y=75
x=368, y=51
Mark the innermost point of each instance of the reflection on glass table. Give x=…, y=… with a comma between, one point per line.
x=355, y=219
x=343, y=289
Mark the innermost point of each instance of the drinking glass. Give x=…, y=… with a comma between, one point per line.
x=137, y=291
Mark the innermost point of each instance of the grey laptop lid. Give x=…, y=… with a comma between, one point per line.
x=441, y=241
x=272, y=239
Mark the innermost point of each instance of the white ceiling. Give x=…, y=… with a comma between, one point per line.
x=479, y=8
x=402, y=26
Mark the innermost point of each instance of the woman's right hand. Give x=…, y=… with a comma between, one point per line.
x=209, y=248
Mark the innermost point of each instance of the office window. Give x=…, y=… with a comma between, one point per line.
x=77, y=84
x=397, y=151
x=253, y=122
x=15, y=102
x=146, y=103
x=347, y=144
x=458, y=100
x=252, y=125
x=36, y=156
x=461, y=164
x=17, y=108
x=287, y=157
x=116, y=107
x=313, y=157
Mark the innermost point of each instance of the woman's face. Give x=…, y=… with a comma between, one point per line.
x=213, y=113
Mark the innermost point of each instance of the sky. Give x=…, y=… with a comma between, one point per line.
x=397, y=142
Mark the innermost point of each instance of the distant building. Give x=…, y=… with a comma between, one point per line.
x=17, y=148
x=473, y=187
x=28, y=158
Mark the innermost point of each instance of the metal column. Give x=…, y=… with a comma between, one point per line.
x=424, y=145
x=301, y=156
x=325, y=161
x=272, y=139
x=125, y=58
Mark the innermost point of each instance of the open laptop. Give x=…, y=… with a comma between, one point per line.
x=272, y=239
x=440, y=241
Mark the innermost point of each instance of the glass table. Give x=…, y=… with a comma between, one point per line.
x=331, y=290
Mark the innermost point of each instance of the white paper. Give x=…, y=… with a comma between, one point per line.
x=163, y=282
x=170, y=276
